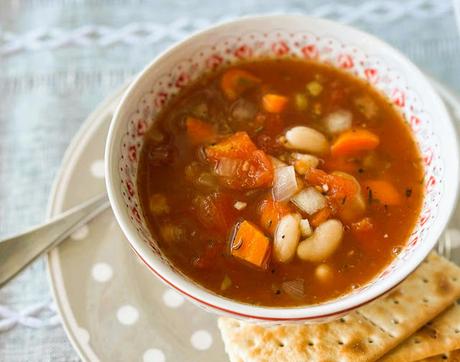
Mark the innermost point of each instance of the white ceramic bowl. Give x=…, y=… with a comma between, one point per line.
x=281, y=36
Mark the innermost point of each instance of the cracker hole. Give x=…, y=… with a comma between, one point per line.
x=340, y=343
x=425, y=280
x=425, y=300
x=396, y=301
x=456, y=330
x=454, y=279
x=280, y=344
x=370, y=341
x=416, y=341
x=342, y=320
x=311, y=344
x=395, y=321
x=444, y=357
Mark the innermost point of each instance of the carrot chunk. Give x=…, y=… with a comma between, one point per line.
x=382, y=190
x=271, y=212
x=234, y=82
x=199, y=131
x=274, y=103
x=250, y=245
x=354, y=142
x=239, y=145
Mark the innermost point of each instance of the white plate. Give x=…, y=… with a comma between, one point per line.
x=112, y=307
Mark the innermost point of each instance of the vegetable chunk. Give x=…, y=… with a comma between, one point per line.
x=271, y=212
x=250, y=245
x=234, y=82
x=338, y=187
x=254, y=170
x=274, y=103
x=239, y=145
x=199, y=131
x=354, y=142
x=215, y=211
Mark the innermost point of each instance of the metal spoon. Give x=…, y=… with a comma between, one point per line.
x=19, y=251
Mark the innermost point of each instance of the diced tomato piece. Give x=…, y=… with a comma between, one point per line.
x=250, y=245
x=338, y=187
x=273, y=124
x=271, y=212
x=321, y=216
x=365, y=233
x=255, y=171
x=238, y=145
x=255, y=168
x=269, y=144
x=199, y=131
x=215, y=211
x=362, y=225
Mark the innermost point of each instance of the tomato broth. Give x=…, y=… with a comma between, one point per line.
x=280, y=182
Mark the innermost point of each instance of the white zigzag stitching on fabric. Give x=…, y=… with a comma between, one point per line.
x=38, y=315
x=150, y=33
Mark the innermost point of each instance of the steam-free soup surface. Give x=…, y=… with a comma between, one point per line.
x=280, y=182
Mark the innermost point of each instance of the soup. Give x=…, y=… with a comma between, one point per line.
x=280, y=182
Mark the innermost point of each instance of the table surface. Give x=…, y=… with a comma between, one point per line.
x=60, y=58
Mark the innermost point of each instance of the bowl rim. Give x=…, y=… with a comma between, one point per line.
x=328, y=308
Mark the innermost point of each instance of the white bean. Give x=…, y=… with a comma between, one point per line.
x=324, y=272
x=286, y=238
x=277, y=163
x=324, y=241
x=303, y=162
x=306, y=139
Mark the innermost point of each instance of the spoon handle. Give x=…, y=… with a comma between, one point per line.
x=19, y=251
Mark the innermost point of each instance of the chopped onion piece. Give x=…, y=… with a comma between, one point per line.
x=309, y=200
x=285, y=183
x=305, y=228
x=366, y=106
x=227, y=167
x=243, y=110
x=226, y=283
x=240, y=205
x=294, y=288
x=338, y=122
x=207, y=180
x=276, y=162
